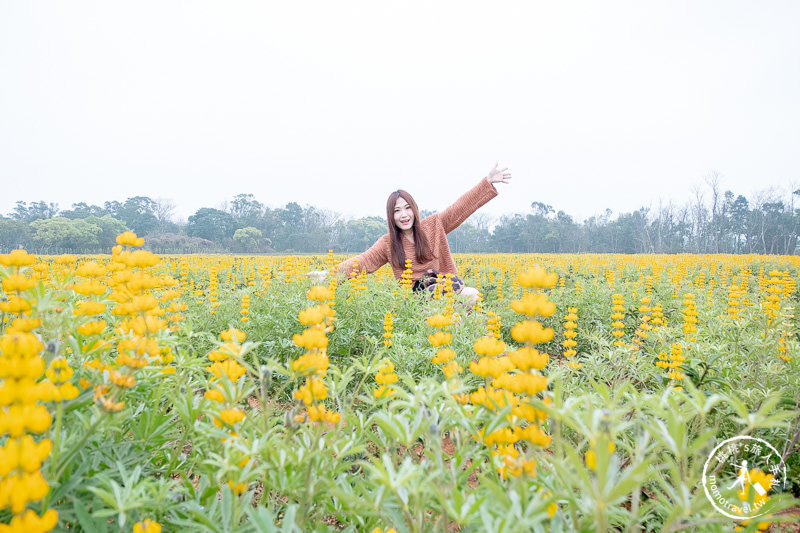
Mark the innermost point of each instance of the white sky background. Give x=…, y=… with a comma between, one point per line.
x=335, y=104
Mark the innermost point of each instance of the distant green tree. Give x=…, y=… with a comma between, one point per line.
x=14, y=234
x=362, y=233
x=246, y=210
x=138, y=213
x=83, y=210
x=60, y=234
x=248, y=240
x=211, y=224
x=35, y=211
x=109, y=229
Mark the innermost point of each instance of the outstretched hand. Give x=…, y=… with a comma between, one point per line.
x=498, y=176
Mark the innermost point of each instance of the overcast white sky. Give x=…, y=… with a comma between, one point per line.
x=591, y=105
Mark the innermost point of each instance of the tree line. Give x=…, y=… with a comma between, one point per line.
x=714, y=221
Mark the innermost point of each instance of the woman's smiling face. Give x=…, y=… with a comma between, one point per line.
x=403, y=215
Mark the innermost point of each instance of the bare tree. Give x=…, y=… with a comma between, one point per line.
x=699, y=216
x=717, y=215
x=163, y=209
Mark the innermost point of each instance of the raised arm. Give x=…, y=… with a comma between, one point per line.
x=371, y=260
x=472, y=200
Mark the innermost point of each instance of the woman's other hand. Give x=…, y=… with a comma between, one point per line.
x=318, y=276
x=498, y=176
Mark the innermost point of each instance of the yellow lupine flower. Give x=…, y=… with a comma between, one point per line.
x=229, y=368
x=21, y=344
x=230, y=416
x=538, y=277
x=439, y=338
x=233, y=333
x=311, y=338
x=89, y=308
x=30, y=522
x=59, y=370
x=489, y=346
x=521, y=383
x=531, y=331
x=487, y=366
x=129, y=238
x=314, y=315
x=214, y=395
x=527, y=358
x=444, y=355
x=18, y=283
x=94, y=327
x=318, y=292
x=534, y=304
x=23, y=325
x=17, y=258
x=311, y=362
x=90, y=287
x=15, y=305
x=147, y=526
x=91, y=270
x=439, y=321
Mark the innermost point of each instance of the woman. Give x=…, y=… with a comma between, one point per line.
x=423, y=241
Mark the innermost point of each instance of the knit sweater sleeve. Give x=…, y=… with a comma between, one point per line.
x=471, y=201
x=371, y=260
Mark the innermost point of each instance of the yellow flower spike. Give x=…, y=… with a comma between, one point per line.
x=91, y=270
x=68, y=391
x=87, y=308
x=94, y=327
x=313, y=315
x=450, y=368
x=17, y=283
x=444, y=355
x=237, y=489
x=129, y=238
x=32, y=454
x=537, y=277
x=31, y=522
x=311, y=363
x=147, y=526
x=17, y=258
x=23, y=325
x=214, y=395
x=230, y=368
x=486, y=366
x=233, y=333
x=231, y=416
x=15, y=305
x=320, y=293
x=311, y=338
x=528, y=358
x=439, y=338
x=534, y=304
x=489, y=346
x=531, y=331
x=386, y=378
x=521, y=383
x=439, y=321
x=21, y=344
x=59, y=370
x=90, y=287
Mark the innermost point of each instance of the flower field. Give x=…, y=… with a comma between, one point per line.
x=227, y=393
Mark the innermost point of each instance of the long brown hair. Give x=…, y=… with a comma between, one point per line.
x=422, y=248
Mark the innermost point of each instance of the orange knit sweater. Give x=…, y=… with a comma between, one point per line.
x=436, y=228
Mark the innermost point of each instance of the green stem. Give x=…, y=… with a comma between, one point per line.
x=77, y=447
x=56, y=439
